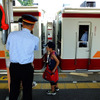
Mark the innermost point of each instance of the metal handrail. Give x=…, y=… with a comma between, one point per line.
x=90, y=48
x=76, y=51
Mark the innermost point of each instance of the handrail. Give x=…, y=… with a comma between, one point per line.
x=76, y=51
x=90, y=48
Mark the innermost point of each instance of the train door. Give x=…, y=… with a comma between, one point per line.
x=83, y=38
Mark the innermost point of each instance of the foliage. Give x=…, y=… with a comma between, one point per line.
x=26, y=3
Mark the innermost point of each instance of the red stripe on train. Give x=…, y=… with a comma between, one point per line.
x=31, y=13
x=38, y=64
x=72, y=64
x=65, y=64
x=49, y=29
x=2, y=64
x=50, y=38
x=81, y=15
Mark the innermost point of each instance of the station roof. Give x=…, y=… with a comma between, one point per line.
x=81, y=10
x=27, y=9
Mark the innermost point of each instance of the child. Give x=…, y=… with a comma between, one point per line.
x=53, y=63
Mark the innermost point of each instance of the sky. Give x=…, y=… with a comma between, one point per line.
x=50, y=6
x=53, y=6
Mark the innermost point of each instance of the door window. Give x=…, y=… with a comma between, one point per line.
x=83, y=35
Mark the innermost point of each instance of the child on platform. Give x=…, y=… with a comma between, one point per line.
x=53, y=63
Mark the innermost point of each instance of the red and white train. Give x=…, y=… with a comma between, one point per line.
x=70, y=26
x=50, y=30
x=67, y=31
x=6, y=14
x=40, y=30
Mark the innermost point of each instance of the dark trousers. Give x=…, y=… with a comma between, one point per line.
x=21, y=73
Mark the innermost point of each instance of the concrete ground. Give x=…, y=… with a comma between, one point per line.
x=73, y=86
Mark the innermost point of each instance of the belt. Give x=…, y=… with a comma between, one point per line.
x=21, y=64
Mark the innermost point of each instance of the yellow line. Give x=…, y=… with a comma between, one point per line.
x=98, y=84
x=70, y=86
x=61, y=86
x=93, y=85
x=62, y=75
x=38, y=86
x=45, y=86
x=82, y=85
x=3, y=85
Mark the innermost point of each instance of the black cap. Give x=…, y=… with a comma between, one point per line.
x=28, y=19
x=51, y=45
x=20, y=20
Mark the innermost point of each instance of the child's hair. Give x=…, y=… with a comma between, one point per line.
x=51, y=45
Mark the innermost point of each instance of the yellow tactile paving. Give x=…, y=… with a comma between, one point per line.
x=62, y=75
x=45, y=86
x=38, y=86
x=98, y=84
x=3, y=86
x=81, y=85
x=61, y=86
x=93, y=85
x=70, y=86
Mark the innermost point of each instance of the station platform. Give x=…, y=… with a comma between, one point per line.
x=73, y=86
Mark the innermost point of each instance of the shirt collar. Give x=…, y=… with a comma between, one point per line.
x=27, y=30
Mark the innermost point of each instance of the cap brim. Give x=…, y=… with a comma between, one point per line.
x=20, y=20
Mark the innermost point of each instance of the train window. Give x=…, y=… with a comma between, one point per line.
x=91, y=4
x=59, y=38
x=13, y=2
x=54, y=31
x=3, y=36
x=83, y=35
x=43, y=38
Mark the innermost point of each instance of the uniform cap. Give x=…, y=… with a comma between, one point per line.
x=20, y=20
x=28, y=19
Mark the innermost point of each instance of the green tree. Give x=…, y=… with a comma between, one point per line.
x=26, y=2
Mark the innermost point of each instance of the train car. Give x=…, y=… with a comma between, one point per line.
x=71, y=23
x=6, y=17
x=40, y=30
x=50, y=30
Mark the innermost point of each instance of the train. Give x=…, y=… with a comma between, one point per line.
x=50, y=31
x=66, y=31
x=69, y=27
x=6, y=16
x=40, y=30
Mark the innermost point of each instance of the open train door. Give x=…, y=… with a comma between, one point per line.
x=83, y=45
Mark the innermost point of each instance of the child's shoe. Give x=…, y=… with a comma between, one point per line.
x=56, y=89
x=34, y=84
x=50, y=93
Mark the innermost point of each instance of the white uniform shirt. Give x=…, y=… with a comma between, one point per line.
x=21, y=46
